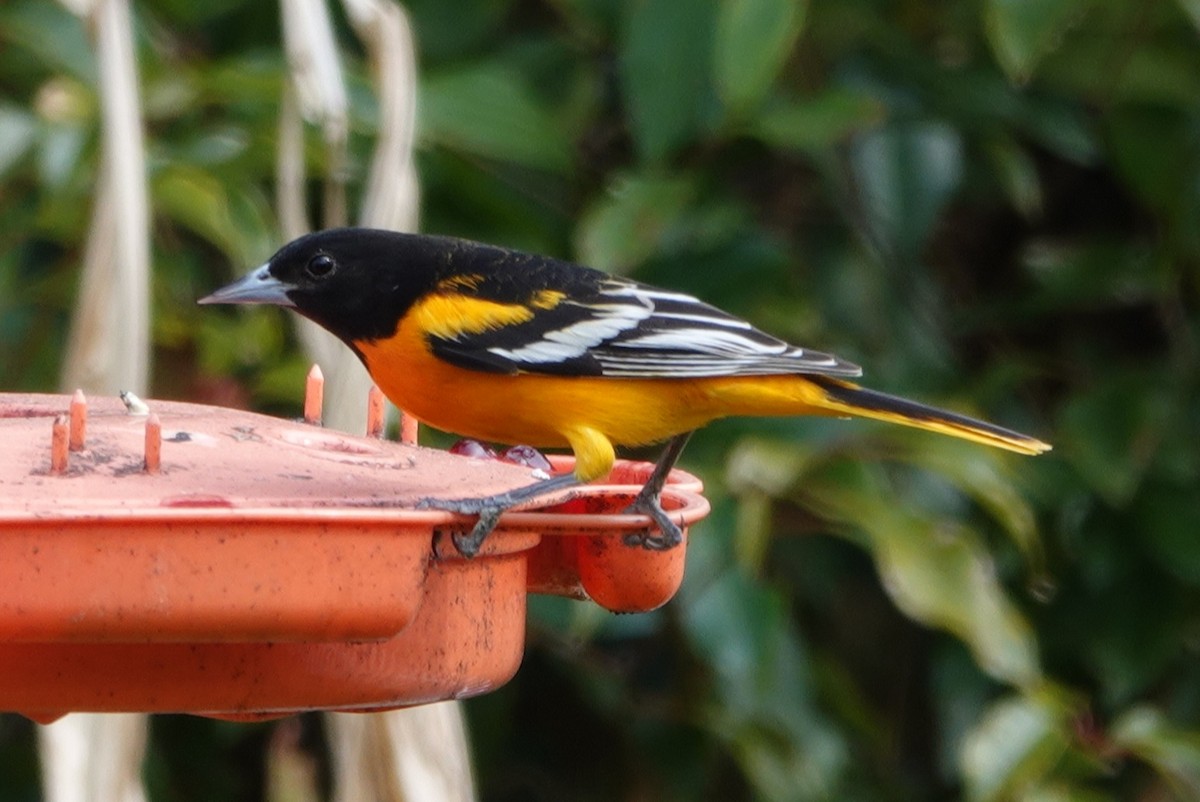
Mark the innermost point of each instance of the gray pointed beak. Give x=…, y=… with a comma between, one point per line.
x=256, y=287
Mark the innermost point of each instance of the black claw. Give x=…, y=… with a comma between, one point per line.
x=466, y=543
x=469, y=543
x=663, y=542
x=670, y=534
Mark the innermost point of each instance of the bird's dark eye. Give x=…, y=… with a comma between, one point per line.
x=320, y=266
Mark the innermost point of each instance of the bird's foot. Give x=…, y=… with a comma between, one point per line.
x=670, y=535
x=469, y=543
x=488, y=510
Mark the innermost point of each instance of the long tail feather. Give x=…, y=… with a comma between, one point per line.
x=846, y=397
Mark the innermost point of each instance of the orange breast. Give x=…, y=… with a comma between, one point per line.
x=529, y=408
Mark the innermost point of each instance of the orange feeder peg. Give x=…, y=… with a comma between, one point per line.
x=314, y=395
x=77, y=425
x=376, y=412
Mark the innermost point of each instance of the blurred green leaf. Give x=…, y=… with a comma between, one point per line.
x=449, y=30
x=230, y=217
x=963, y=694
x=759, y=470
x=1131, y=645
x=1096, y=273
x=752, y=537
x=906, y=172
x=488, y=109
x=763, y=682
x=989, y=477
x=768, y=466
x=1111, y=432
x=1158, y=66
x=169, y=96
x=215, y=147
x=490, y=202
x=1147, y=143
x=1165, y=75
x=1062, y=126
x=1192, y=9
x=249, y=82
x=1167, y=517
x=776, y=768
x=1015, y=745
x=753, y=40
x=940, y=574
x=629, y=223
x=60, y=149
x=740, y=628
x=52, y=32
x=819, y=122
x=18, y=130
x=937, y=571
x=667, y=217
x=1173, y=751
x=1018, y=175
x=1066, y=792
x=276, y=383
x=249, y=339
x=666, y=72
x=1022, y=32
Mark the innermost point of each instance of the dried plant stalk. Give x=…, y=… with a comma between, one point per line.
x=90, y=756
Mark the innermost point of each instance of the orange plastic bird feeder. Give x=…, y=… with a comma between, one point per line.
x=205, y=560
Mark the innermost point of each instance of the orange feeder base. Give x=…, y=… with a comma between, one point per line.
x=234, y=565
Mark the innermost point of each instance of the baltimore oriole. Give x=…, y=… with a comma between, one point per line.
x=511, y=347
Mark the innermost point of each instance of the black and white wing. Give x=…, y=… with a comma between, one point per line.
x=603, y=325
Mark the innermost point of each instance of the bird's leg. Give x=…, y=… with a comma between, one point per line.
x=648, y=503
x=490, y=508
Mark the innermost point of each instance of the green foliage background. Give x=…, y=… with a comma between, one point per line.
x=990, y=204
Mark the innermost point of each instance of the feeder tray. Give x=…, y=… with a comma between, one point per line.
x=205, y=560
